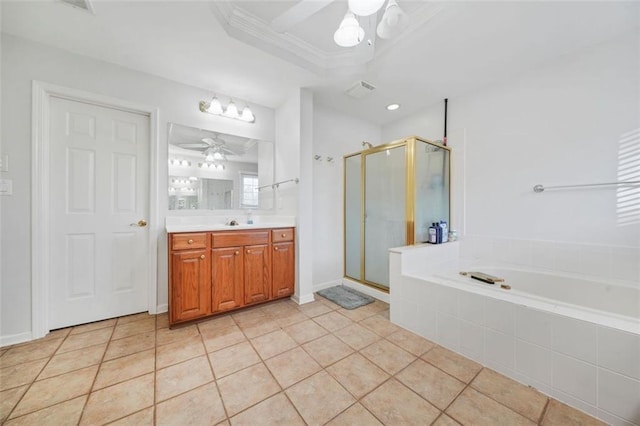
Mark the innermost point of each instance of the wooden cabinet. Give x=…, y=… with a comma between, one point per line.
x=226, y=278
x=283, y=269
x=257, y=274
x=218, y=271
x=190, y=289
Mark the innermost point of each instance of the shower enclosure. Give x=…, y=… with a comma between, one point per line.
x=392, y=194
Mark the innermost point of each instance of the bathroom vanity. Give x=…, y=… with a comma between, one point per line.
x=220, y=270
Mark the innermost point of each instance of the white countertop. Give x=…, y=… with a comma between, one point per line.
x=219, y=227
x=217, y=223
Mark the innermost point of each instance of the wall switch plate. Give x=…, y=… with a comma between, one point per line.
x=4, y=163
x=6, y=187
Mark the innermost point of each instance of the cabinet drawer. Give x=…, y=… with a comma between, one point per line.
x=237, y=238
x=188, y=241
x=278, y=235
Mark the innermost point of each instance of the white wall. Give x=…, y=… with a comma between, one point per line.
x=334, y=135
x=293, y=161
x=562, y=123
x=24, y=61
x=287, y=153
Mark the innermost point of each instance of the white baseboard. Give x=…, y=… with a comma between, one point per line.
x=322, y=286
x=162, y=308
x=305, y=298
x=13, y=339
x=369, y=291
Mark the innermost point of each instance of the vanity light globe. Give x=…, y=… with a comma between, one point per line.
x=365, y=7
x=215, y=106
x=247, y=115
x=232, y=110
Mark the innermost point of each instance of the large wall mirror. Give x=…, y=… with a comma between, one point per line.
x=218, y=171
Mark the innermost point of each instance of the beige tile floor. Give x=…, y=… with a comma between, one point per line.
x=279, y=364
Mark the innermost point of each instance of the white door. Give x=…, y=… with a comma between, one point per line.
x=98, y=193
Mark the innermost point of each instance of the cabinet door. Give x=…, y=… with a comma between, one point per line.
x=190, y=285
x=257, y=273
x=283, y=263
x=226, y=278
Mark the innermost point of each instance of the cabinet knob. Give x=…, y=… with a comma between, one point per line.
x=237, y=252
x=202, y=256
x=275, y=248
x=248, y=251
x=190, y=242
x=283, y=235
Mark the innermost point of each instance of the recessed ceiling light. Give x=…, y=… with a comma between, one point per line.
x=393, y=107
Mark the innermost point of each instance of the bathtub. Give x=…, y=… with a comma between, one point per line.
x=574, y=338
x=607, y=304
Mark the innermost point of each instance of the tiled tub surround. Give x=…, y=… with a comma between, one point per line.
x=591, y=362
x=269, y=365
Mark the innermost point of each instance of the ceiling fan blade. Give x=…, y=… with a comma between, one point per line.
x=229, y=151
x=193, y=146
x=298, y=13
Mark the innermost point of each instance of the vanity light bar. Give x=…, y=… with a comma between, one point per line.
x=178, y=162
x=185, y=181
x=230, y=111
x=211, y=166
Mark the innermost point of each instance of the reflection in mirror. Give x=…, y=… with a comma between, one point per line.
x=217, y=171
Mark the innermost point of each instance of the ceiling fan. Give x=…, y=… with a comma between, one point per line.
x=213, y=148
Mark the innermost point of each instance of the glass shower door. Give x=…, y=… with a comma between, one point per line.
x=385, y=223
x=431, y=187
x=353, y=216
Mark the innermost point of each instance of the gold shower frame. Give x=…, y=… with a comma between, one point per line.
x=410, y=199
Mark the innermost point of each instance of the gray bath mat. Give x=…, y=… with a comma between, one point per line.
x=346, y=297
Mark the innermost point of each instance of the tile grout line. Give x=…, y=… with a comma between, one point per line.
x=34, y=379
x=467, y=385
x=213, y=374
x=263, y=361
x=544, y=411
x=547, y=397
x=93, y=382
x=154, y=414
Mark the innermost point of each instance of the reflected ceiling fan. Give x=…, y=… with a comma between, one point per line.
x=214, y=149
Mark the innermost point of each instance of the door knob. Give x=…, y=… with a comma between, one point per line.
x=202, y=256
x=275, y=248
x=141, y=223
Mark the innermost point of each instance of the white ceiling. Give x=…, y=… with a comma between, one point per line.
x=451, y=48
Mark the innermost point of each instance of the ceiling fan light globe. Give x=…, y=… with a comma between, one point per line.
x=350, y=33
x=393, y=21
x=365, y=7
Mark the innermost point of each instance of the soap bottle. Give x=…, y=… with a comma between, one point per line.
x=445, y=231
x=433, y=234
x=438, y=233
x=249, y=218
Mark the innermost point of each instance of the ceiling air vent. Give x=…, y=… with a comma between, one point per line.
x=80, y=4
x=360, y=89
